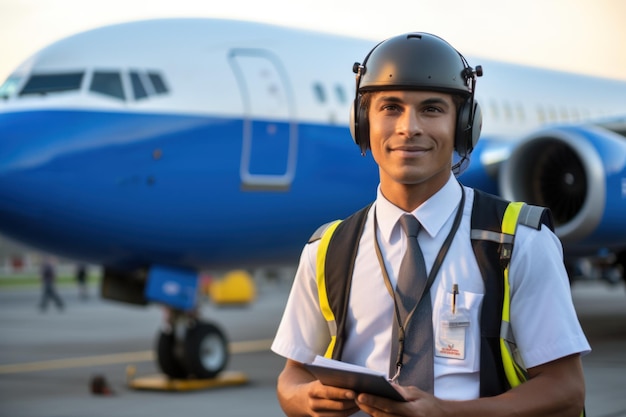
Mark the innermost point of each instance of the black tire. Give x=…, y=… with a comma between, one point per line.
x=169, y=363
x=206, y=350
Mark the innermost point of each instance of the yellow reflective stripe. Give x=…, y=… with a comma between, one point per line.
x=509, y=221
x=321, y=286
x=331, y=348
x=506, y=303
x=509, y=224
x=514, y=374
x=508, y=364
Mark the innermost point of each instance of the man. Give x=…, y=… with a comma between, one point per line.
x=48, y=285
x=414, y=108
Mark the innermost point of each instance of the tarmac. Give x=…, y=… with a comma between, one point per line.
x=48, y=359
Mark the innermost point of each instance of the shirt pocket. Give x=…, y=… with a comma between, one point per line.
x=469, y=304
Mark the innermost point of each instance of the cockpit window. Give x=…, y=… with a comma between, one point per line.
x=157, y=83
x=108, y=83
x=9, y=87
x=52, y=83
x=147, y=84
x=139, y=90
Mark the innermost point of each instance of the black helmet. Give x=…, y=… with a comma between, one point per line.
x=418, y=61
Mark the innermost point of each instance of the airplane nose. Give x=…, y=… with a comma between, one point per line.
x=18, y=211
x=30, y=178
x=26, y=139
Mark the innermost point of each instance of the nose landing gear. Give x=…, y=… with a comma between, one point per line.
x=189, y=348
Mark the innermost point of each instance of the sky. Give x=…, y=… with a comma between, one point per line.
x=585, y=36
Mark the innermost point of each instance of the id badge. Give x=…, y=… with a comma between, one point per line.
x=452, y=334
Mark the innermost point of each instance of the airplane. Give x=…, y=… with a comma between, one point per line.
x=165, y=147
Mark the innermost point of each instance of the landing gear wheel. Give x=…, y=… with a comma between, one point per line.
x=169, y=363
x=205, y=350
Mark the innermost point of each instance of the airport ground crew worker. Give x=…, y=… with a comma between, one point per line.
x=414, y=107
x=48, y=286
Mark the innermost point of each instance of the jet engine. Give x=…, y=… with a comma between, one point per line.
x=579, y=172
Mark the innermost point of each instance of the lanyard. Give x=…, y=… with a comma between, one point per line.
x=431, y=278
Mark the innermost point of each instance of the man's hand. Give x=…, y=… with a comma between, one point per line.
x=419, y=403
x=300, y=394
x=329, y=401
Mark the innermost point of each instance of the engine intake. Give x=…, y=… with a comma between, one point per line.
x=562, y=169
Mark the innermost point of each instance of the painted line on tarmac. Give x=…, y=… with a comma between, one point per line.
x=250, y=346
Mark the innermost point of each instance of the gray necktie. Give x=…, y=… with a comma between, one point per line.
x=417, y=360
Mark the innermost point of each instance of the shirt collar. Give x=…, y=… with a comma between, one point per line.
x=432, y=214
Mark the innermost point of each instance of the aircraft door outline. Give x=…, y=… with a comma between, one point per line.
x=270, y=139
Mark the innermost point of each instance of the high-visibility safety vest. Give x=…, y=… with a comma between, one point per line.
x=493, y=225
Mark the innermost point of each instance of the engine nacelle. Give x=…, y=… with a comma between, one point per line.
x=579, y=172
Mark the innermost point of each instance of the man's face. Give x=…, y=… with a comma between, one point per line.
x=412, y=137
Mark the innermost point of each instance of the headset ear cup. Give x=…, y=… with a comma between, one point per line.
x=477, y=125
x=363, y=126
x=462, y=125
x=359, y=126
x=468, y=127
x=353, y=125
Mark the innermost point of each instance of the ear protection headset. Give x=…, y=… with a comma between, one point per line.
x=418, y=61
